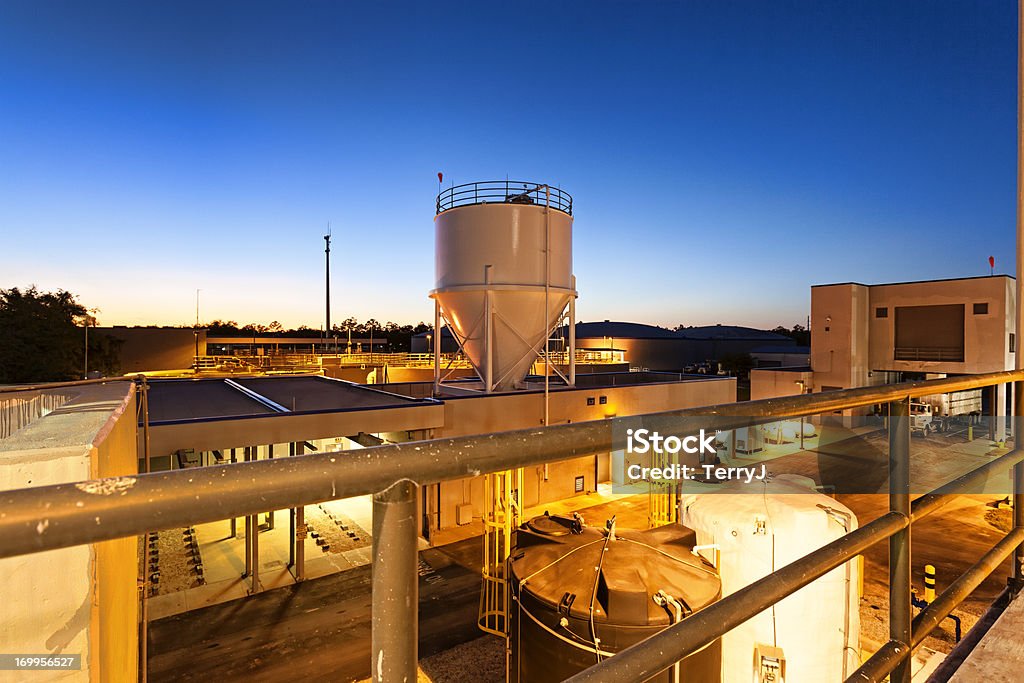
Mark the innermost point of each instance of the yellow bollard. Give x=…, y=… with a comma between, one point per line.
x=929, y=583
x=970, y=432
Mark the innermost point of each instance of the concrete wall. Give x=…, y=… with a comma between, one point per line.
x=81, y=600
x=156, y=348
x=673, y=355
x=209, y=435
x=839, y=335
x=781, y=360
x=653, y=354
x=986, y=336
x=772, y=383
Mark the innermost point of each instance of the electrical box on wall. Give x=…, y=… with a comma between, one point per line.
x=769, y=664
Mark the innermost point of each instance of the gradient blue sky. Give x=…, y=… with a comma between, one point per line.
x=723, y=156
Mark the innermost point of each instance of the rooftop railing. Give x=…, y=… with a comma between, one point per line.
x=503, y=192
x=50, y=517
x=946, y=354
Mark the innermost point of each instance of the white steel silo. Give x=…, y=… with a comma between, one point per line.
x=755, y=530
x=503, y=263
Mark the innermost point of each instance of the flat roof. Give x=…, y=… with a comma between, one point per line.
x=321, y=393
x=192, y=399
x=917, y=282
x=175, y=400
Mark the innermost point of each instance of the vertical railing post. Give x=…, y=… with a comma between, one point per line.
x=395, y=584
x=1018, y=338
x=899, y=543
x=1018, y=484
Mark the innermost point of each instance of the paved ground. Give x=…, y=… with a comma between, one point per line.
x=316, y=630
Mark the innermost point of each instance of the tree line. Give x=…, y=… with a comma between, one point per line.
x=398, y=336
x=43, y=338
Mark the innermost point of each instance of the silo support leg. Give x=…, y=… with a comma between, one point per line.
x=395, y=584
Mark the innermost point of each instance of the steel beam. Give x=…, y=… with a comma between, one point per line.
x=254, y=544
x=395, y=586
x=291, y=522
x=299, y=538
x=234, y=521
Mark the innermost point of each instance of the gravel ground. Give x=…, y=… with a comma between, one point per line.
x=337, y=530
x=874, y=617
x=176, y=569
x=481, y=661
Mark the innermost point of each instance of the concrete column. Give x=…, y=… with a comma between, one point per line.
x=270, y=514
x=291, y=522
x=395, y=584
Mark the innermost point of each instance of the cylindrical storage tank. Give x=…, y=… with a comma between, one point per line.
x=554, y=585
x=759, y=528
x=499, y=248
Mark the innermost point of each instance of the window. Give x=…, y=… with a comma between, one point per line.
x=1013, y=342
x=882, y=312
x=590, y=400
x=930, y=333
x=980, y=309
x=604, y=400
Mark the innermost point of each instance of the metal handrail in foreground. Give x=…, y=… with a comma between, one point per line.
x=50, y=517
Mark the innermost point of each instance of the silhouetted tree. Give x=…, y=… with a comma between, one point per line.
x=42, y=338
x=799, y=334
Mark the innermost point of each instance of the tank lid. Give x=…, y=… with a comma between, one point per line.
x=556, y=525
x=558, y=571
x=504, y=192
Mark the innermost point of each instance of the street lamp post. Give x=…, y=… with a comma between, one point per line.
x=327, y=279
x=88, y=318
x=196, y=330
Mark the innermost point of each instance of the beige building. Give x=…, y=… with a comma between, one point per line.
x=206, y=420
x=863, y=335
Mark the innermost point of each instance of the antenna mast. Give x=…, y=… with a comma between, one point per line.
x=327, y=283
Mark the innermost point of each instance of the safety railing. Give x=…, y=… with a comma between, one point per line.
x=50, y=517
x=503, y=192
